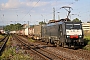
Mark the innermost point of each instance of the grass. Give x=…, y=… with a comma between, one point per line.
x=11, y=54
x=31, y=40
x=8, y=51
x=1, y=36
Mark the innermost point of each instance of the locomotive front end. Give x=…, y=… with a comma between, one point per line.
x=74, y=33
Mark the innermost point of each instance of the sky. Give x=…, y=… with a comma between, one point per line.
x=35, y=11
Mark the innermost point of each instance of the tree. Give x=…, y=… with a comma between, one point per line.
x=88, y=21
x=42, y=22
x=13, y=27
x=76, y=20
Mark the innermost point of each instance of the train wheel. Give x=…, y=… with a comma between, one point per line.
x=63, y=44
x=58, y=43
x=69, y=45
x=75, y=46
x=82, y=44
x=50, y=41
x=47, y=41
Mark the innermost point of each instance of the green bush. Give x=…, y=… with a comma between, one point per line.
x=87, y=40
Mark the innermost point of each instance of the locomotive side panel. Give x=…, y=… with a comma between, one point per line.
x=53, y=32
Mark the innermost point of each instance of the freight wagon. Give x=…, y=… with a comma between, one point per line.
x=37, y=32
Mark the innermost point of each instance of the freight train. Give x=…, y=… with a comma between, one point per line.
x=62, y=33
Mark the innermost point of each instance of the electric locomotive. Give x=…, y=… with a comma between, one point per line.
x=73, y=33
x=63, y=33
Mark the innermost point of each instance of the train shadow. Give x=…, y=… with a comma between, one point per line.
x=72, y=47
x=46, y=46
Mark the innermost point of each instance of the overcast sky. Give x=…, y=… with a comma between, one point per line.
x=34, y=11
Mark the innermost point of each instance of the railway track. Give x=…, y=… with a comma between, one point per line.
x=30, y=48
x=82, y=53
x=52, y=55
x=41, y=52
x=3, y=43
x=73, y=54
x=3, y=39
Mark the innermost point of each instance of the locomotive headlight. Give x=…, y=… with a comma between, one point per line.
x=68, y=36
x=80, y=36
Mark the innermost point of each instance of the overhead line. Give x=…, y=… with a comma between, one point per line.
x=32, y=8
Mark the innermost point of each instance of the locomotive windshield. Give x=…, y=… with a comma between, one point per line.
x=73, y=26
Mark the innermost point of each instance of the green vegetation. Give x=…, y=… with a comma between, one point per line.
x=1, y=43
x=1, y=36
x=31, y=40
x=11, y=53
x=87, y=41
x=13, y=27
x=42, y=22
x=87, y=37
x=76, y=20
